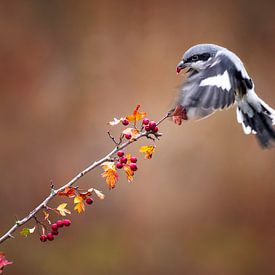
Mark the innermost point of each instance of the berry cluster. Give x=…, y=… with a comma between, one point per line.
x=150, y=126
x=54, y=230
x=123, y=160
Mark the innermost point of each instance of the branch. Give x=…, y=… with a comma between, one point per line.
x=54, y=192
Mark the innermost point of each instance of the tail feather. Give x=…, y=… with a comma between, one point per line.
x=258, y=121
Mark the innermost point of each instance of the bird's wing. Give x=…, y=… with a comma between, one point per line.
x=212, y=88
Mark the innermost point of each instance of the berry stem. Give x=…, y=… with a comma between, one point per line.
x=53, y=192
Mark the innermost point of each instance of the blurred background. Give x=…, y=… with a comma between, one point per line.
x=205, y=203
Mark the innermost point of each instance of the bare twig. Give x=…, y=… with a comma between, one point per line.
x=53, y=193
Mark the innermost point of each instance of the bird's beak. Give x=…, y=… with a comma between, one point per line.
x=181, y=66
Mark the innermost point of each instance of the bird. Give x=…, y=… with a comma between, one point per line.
x=216, y=80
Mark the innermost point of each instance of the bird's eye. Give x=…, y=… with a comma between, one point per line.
x=195, y=57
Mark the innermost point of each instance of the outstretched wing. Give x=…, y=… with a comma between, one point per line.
x=212, y=88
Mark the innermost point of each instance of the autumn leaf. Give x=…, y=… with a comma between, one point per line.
x=46, y=216
x=110, y=174
x=62, y=209
x=115, y=121
x=148, y=151
x=131, y=131
x=136, y=115
x=129, y=173
x=68, y=192
x=98, y=193
x=26, y=231
x=3, y=262
x=79, y=204
x=84, y=195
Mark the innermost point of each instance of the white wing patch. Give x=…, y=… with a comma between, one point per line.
x=220, y=80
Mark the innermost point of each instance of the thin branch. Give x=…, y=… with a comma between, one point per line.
x=54, y=192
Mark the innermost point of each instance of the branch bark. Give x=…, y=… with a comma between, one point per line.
x=54, y=192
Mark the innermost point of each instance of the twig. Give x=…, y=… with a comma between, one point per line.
x=54, y=192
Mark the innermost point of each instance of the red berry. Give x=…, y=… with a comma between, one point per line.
x=54, y=227
x=145, y=121
x=89, y=200
x=133, y=167
x=67, y=222
x=152, y=125
x=123, y=160
x=128, y=136
x=59, y=223
x=120, y=153
x=125, y=122
x=54, y=232
x=147, y=128
x=133, y=159
x=119, y=165
x=50, y=236
x=43, y=238
x=155, y=130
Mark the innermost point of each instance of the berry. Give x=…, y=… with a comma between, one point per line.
x=89, y=201
x=67, y=222
x=133, y=159
x=145, y=121
x=120, y=153
x=147, y=128
x=133, y=167
x=125, y=122
x=155, y=130
x=54, y=232
x=128, y=136
x=54, y=227
x=152, y=125
x=50, y=236
x=119, y=165
x=123, y=160
x=59, y=223
x=43, y=238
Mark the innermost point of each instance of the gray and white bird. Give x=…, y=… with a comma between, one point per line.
x=217, y=79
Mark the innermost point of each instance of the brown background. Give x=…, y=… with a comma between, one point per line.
x=204, y=205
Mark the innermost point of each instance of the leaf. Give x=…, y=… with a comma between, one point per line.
x=98, y=193
x=26, y=231
x=46, y=216
x=79, y=204
x=148, y=151
x=115, y=121
x=84, y=195
x=62, y=209
x=129, y=173
x=110, y=174
x=68, y=192
x=3, y=262
x=136, y=115
x=131, y=131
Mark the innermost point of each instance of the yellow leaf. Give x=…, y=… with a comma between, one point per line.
x=62, y=209
x=46, y=217
x=148, y=151
x=136, y=115
x=111, y=177
x=129, y=173
x=79, y=204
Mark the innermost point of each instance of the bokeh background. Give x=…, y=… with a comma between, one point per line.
x=205, y=203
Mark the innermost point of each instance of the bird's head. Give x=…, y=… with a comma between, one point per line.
x=197, y=57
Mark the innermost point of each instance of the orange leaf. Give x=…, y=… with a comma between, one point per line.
x=136, y=115
x=148, y=151
x=68, y=192
x=62, y=209
x=46, y=217
x=79, y=204
x=129, y=173
x=110, y=174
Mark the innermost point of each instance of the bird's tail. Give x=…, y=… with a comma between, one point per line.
x=257, y=118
